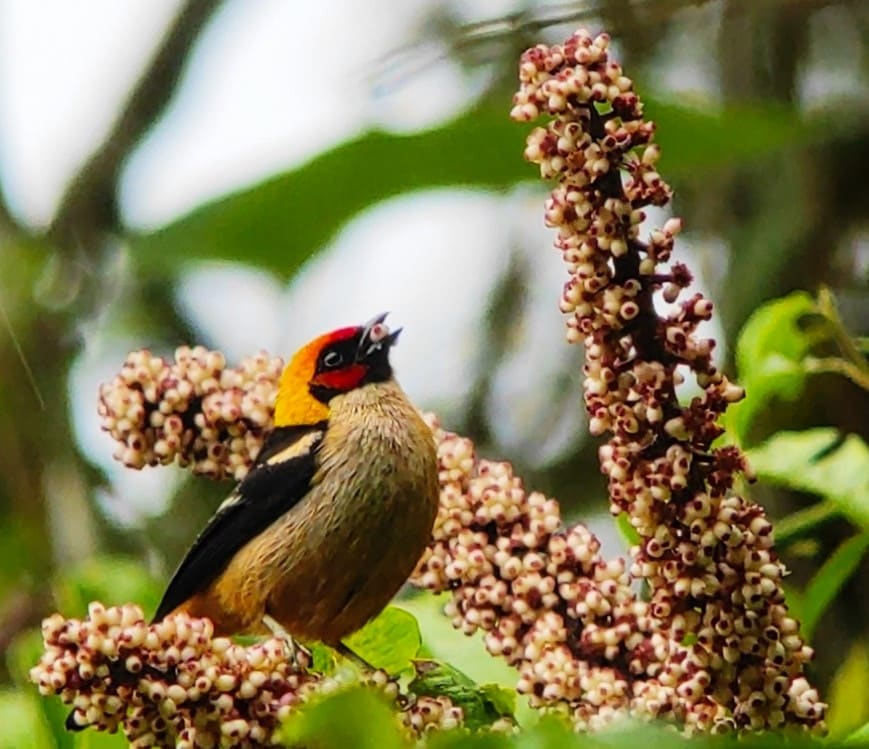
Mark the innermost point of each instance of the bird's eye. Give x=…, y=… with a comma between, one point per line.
x=333, y=359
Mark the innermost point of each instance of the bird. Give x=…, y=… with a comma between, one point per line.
x=336, y=510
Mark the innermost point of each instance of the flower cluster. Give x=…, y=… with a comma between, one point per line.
x=172, y=684
x=167, y=684
x=581, y=639
x=429, y=714
x=193, y=410
x=546, y=599
x=706, y=553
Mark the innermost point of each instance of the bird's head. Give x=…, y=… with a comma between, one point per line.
x=330, y=365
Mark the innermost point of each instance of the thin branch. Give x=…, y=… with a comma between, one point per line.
x=8, y=224
x=89, y=207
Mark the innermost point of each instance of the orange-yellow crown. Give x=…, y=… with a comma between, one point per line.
x=295, y=405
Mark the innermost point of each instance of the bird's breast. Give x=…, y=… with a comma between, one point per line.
x=339, y=556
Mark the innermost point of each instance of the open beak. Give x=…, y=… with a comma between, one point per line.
x=375, y=337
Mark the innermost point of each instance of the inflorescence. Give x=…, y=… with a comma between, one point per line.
x=721, y=649
x=167, y=684
x=173, y=684
x=194, y=410
x=713, y=647
x=718, y=658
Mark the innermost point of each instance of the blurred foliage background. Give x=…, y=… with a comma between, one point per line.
x=245, y=175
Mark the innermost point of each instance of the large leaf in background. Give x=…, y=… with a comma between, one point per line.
x=282, y=221
x=23, y=727
x=769, y=356
x=828, y=581
x=40, y=719
x=111, y=580
x=846, y=714
x=821, y=461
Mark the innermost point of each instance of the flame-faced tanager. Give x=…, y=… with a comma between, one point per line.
x=335, y=512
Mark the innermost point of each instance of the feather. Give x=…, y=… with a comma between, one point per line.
x=280, y=479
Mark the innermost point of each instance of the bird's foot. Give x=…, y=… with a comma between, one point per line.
x=403, y=701
x=299, y=655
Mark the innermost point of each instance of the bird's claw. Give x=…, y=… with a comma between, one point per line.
x=297, y=654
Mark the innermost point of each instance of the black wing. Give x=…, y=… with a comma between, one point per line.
x=279, y=479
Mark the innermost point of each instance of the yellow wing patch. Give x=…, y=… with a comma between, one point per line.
x=231, y=500
x=301, y=446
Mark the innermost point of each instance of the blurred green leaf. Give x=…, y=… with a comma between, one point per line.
x=846, y=713
x=461, y=739
x=482, y=705
x=100, y=740
x=355, y=717
x=769, y=356
x=627, y=531
x=282, y=221
x=550, y=732
x=803, y=522
x=22, y=722
x=110, y=580
x=860, y=737
x=821, y=462
x=390, y=641
x=701, y=136
x=22, y=655
x=322, y=658
x=828, y=581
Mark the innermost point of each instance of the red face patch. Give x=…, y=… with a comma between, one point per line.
x=342, y=380
x=342, y=334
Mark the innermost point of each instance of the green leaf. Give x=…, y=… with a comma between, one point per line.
x=22, y=655
x=821, y=462
x=769, y=357
x=110, y=580
x=860, y=737
x=284, y=220
x=847, y=714
x=322, y=658
x=627, y=531
x=701, y=136
x=356, y=717
x=22, y=721
x=828, y=581
x=553, y=732
x=482, y=705
x=502, y=699
x=100, y=740
x=390, y=641
x=804, y=522
x=460, y=739
x=442, y=642
x=281, y=222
